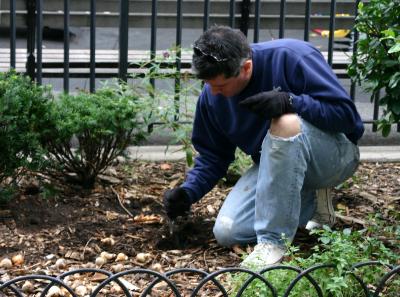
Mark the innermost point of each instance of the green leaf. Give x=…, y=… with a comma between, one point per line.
x=390, y=63
x=327, y=228
x=394, y=80
x=396, y=107
x=395, y=48
x=325, y=240
x=189, y=157
x=389, y=33
x=385, y=130
x=347, y=231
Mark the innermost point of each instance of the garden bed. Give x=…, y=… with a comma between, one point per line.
x=78, y=226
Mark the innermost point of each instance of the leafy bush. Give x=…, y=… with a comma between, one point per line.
x=343, y=249
x=176, y=103
x=88, y=131
x=376, y=62
x=23, y=110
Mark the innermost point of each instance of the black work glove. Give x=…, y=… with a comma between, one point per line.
x=271, y=104
x=176, y=202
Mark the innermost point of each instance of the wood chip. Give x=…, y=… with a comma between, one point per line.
x=351, y=220
x=372, y=198
x=147, y=219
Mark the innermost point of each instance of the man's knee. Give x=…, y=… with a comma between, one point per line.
x=223, y=231
x=287, y=125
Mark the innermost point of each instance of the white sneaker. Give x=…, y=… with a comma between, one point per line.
x=325, y=213
x=263, y=256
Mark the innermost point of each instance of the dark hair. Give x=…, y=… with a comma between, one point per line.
x=220, y=50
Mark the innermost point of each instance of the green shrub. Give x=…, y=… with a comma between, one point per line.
x=376, y=64
x=23, y=110
x=89, y=131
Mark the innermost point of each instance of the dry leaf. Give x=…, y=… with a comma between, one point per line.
x=73, y=255
x=98, y=277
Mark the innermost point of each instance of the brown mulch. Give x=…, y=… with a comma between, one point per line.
x=77, y=225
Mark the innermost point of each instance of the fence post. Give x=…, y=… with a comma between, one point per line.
x=12, y=33
x=179, y=21
x=245, y=16
x=257, y=7
x=39, y=40
x=331, y=31
x=30, y=39
x=123, y=40
x=66, y=46
x=92, y=80
x=232, y=13
x=282, y=17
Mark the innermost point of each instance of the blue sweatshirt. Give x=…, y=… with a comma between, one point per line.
x=221, y=125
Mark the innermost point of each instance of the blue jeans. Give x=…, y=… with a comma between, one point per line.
x=272, y=199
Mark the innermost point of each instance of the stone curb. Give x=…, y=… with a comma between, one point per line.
x=174, y=152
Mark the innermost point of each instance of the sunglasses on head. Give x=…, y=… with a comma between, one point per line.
x=200, y=53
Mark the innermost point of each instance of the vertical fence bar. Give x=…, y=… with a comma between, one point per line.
x=13, y=33
x=153, y=36
x=39, y=39
x=307, y=20
x=66, y=46
x=245, y=16
x=377, y=96
x=123, y=40
x=331, y=31
x=92, y=45
x=30, y=39
x=206, y=17
x=354, y=42
x=256, y=21
x=282, y=17
x=153, y=49
x=178, y=57
x=232, y=12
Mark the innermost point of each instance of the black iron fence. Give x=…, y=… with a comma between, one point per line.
x=145, y=282
x=248, y=15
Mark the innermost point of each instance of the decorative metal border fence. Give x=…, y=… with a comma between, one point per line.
x=369, y=290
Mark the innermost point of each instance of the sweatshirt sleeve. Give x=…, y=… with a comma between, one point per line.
x=216, y=152
x=321, y=100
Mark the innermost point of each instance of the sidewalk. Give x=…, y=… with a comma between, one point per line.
x=173, y=153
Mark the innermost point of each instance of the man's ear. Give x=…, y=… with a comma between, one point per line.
x=248, y=67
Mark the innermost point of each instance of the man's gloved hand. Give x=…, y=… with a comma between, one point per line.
x=271, y=104
x=176, y=202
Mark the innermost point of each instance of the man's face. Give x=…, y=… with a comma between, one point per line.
x=231, y=86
